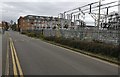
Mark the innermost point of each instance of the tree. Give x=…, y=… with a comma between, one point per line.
x=14, y=26
x=5, y=25
x=11, y=22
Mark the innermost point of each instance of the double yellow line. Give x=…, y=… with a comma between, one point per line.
x=17, y=70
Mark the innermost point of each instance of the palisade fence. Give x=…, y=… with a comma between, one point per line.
x=106, y=36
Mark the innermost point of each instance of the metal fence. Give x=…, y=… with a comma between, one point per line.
x=106, y=36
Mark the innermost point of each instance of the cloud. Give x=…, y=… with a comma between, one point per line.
x=13, y=9
x=47, y=0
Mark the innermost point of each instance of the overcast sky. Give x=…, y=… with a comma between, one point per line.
x=12, y=10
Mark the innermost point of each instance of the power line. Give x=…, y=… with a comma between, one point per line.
x=91, y=7
x=80, y=7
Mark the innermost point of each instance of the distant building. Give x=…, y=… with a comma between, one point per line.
x=31, y=22
x=113, y=21
x=79, y=23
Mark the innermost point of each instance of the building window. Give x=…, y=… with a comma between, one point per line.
x=28, y=20
x=35, y=20
x=32, y=23
x=38, y=20
x=37, y=17
x=30, y=16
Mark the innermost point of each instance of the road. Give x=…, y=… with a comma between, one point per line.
x=40, y=58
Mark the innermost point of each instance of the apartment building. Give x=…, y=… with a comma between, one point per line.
x=31, y=22
x=113, y=21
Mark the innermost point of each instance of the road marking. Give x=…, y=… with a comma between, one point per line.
x=13, y=60
x=16, y=59
x=82, y=54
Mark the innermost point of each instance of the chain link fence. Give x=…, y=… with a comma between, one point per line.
x=106, y=36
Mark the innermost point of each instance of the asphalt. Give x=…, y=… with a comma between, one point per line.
x=3, y=50
x=41, y=58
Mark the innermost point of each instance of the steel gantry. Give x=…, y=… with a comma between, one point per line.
x=91, y=8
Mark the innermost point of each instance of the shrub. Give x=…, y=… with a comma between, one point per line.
x=93, y=47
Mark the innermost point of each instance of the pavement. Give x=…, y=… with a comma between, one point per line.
x=37, y=57
x=3, y=50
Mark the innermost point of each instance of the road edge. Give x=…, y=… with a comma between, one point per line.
x=84, y=53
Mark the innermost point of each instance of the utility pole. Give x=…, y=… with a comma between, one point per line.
x=71, y=19
x=99, y=15
x=98, y=20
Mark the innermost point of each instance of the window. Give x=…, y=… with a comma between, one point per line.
x=30, y=16
x=37, y=17
x=38, y=20
x=28, y=20
x=35, y=20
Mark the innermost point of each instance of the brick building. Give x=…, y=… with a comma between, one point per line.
x=23, y=24
x=31, y=22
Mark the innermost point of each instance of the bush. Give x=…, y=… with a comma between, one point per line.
x=31, y=34
x=23, y=32
x=93, y=47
